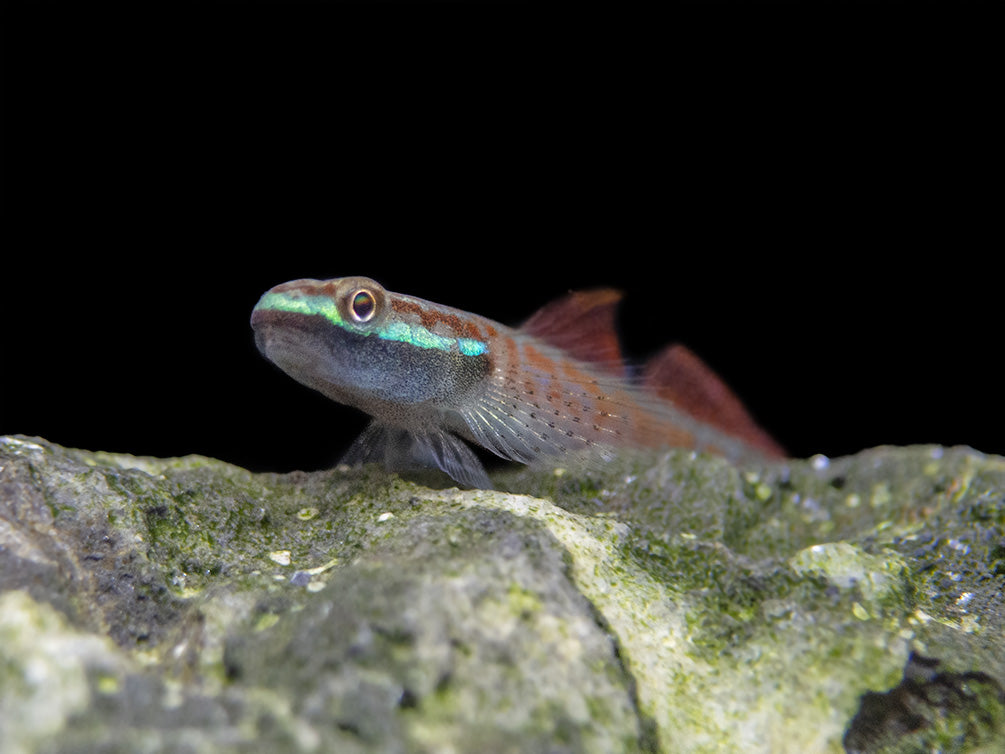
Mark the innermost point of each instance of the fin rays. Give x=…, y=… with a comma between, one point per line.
x=398, y=449
x=507, y=429
x=507, y=422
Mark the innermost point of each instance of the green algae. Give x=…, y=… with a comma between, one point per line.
x=810, y=575
x=659, y=603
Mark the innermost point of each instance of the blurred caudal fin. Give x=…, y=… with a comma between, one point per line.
x=679, y=376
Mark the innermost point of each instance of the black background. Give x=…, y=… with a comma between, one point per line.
x=810, y=201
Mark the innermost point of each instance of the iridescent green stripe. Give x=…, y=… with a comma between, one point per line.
x=401, y=332
x=472, y=347
x=309, y=305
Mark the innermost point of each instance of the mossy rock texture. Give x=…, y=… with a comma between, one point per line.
x=662, y=603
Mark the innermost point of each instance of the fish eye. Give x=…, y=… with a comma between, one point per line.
x=362, y=305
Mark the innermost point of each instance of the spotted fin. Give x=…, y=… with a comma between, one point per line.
x=538, y=402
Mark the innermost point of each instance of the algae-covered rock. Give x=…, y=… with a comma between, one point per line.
x=674, y=604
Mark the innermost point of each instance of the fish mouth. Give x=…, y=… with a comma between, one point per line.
x=263, y=317
x=288, y=338
x=271, y=324
x=288, y=342
x=299, y=351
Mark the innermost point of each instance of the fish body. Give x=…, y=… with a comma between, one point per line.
x=434, y=378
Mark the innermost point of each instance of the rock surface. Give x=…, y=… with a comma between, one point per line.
x=666, y=604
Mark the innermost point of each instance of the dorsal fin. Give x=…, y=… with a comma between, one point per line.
x=679, y=376
x=581, y=324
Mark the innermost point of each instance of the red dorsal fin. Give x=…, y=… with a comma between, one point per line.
x=582, y=325
x=679, y=376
